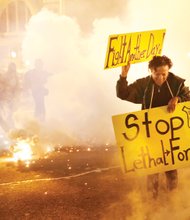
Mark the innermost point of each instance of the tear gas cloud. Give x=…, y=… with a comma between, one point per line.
x=80, y=92
x=138, y=205
x=82, y=95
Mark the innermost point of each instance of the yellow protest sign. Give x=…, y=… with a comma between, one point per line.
x=152, y=141
x=136, y=47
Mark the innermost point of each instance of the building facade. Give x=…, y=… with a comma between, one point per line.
x=14, y=16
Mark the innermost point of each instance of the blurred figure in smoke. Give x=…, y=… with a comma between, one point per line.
x=159, y=89
x=35, y=81
x=10, y=90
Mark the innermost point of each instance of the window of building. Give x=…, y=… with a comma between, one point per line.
x=14, y=17
x=23, y=15
x=3, y=22
x=11, y=17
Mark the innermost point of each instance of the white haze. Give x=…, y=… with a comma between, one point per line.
x=82, y=95
x=138, y=205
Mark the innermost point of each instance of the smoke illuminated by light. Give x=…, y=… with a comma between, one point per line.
x=49, y=149
x=82, y=97
x=13, y=54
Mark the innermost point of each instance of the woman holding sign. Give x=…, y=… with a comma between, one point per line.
x=159, y=89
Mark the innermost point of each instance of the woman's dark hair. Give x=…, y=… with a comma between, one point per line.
x=160, y=61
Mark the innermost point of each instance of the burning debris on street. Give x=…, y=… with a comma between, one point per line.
x=25, y=154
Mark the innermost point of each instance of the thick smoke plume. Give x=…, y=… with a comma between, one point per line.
x=82, y=95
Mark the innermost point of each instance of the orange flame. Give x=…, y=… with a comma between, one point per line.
x=22, y=151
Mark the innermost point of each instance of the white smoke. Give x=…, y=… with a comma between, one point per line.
x=172, y=15
x=81, y=94
x=137, y=204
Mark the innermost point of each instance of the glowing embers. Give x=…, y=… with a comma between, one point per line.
x=22, y=151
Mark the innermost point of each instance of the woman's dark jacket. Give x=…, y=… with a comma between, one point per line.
x=141, y=91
